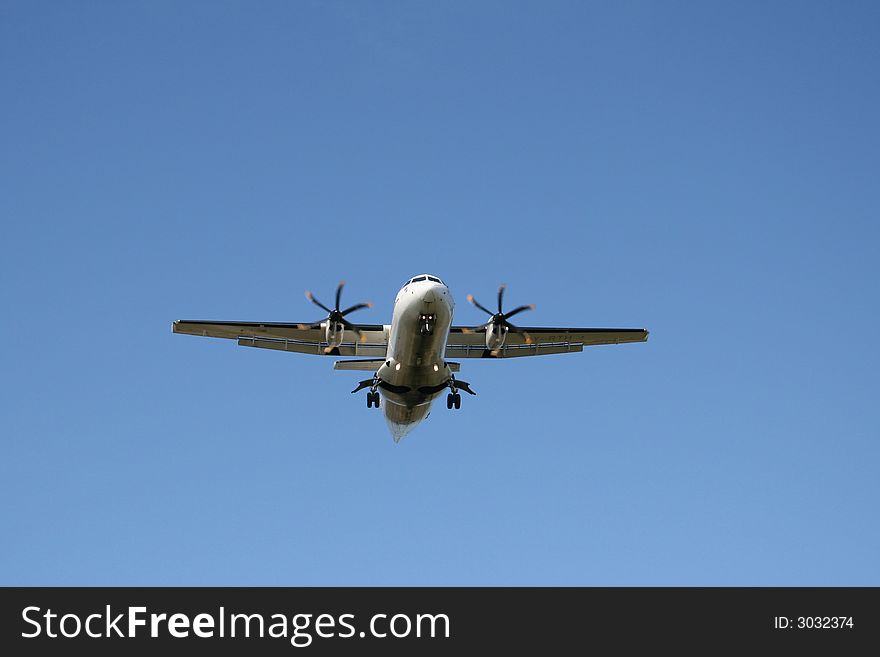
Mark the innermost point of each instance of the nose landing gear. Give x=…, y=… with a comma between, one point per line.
x=426, y=324
x=373, y=399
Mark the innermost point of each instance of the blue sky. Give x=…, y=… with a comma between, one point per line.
x=705, y=170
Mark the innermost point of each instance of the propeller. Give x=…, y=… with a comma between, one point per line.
x=336, y=318
x=499, y=325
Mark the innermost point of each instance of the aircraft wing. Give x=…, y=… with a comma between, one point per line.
x=466, y=342
x=301, y=338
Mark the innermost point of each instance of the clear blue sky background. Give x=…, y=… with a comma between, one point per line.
x=706, y=170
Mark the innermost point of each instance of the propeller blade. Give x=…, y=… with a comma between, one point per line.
x=356, y=306
x=311, y=297
x=501, y=289
x=516, y=311
x=335, y=316
x=354, y=329
x=470, y=298
x=339, y=293
x=515, y=329
x=469, y=330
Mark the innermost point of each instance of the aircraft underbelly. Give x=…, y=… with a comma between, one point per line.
x=417, y=387
x=402, y=419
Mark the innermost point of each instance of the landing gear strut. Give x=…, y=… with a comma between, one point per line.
x=373, y=394
x=453, y=399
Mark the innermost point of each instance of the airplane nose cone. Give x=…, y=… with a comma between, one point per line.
x=429, y=297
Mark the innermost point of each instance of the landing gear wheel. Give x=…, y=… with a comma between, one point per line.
x=456, y=400
x=449, y=399
x=372, y=399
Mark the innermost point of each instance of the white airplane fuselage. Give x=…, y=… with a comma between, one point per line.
x=415, y=371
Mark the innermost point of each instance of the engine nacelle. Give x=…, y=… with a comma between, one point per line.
x=333, y=334
x=496, y=334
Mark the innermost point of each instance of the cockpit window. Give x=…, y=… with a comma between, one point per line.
x=418, y=279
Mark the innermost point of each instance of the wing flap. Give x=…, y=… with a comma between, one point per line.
x=467, y=343
x=300, y=338
x=235, y=330
x=318, y=348
x=512, y=351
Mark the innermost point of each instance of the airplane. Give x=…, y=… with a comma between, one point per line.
x=408, y=358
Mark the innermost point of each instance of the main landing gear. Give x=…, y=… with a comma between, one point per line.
x=453, y=399
x=373, y=394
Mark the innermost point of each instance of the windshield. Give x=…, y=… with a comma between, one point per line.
x=418, y=279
